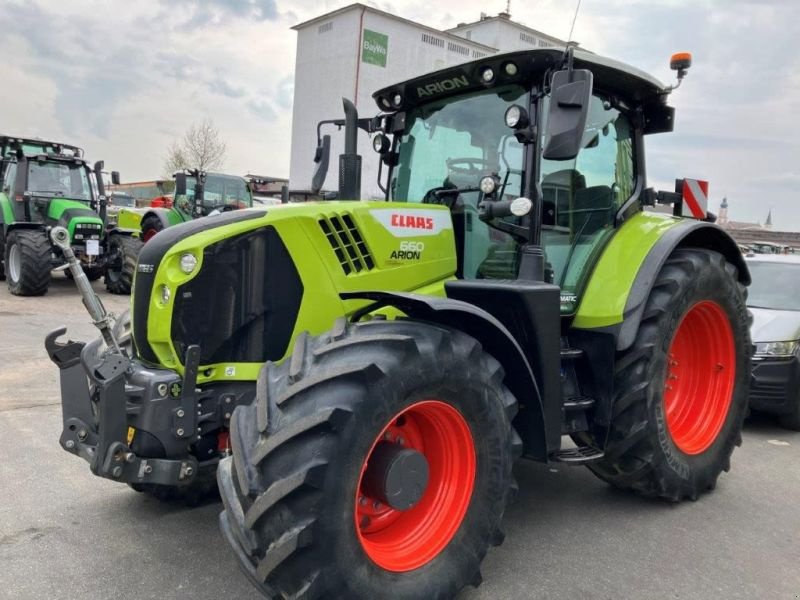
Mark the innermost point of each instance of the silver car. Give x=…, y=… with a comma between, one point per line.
x=774, y=300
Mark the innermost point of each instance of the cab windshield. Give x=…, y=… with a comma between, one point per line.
x=447, y=148
x=221, y=191
x=453, y=143
x=59, y=179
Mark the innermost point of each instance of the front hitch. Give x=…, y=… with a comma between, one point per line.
x=95, y=417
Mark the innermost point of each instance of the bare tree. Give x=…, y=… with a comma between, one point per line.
x=201, y=148
x=175, y=160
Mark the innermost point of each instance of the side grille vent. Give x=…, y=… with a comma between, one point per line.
x=347, y=243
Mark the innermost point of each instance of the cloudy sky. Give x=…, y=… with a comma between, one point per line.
x=123, y=79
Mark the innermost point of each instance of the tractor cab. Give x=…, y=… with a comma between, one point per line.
x=567, y=137
x=198, y=193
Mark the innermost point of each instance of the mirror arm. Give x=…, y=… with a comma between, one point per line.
x=339, y=123
x=519, y=233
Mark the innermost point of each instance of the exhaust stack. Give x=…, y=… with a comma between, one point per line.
x=350, y=161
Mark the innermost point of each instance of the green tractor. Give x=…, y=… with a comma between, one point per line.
x=197, y=194
x=362, y=375
x=47, y=184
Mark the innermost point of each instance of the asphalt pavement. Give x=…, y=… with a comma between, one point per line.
x=67, y=534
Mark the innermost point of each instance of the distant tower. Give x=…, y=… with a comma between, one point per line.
x=768, y=222
x=723, y=212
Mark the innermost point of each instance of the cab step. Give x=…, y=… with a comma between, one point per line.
x=578, y=403
x=571, y=353
x=578, y=456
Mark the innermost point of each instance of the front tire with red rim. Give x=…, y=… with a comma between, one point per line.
x=376, y=460
x=681, y=389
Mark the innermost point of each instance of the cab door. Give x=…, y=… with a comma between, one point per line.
x=582, y=197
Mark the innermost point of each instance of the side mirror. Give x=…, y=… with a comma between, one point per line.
x=115, y=177
x=180, y=184
x=321, y=158
x=571, y=92
x=101, y=190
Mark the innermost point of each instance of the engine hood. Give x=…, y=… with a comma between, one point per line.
x=775, y=325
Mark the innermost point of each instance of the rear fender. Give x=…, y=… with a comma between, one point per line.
x=688, y=233
x=495, y=339
x=23, y=225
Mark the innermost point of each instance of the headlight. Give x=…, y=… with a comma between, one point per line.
x=776, y=348
x=381, y=144
x=188, y=262
x=488, y=184
x=516, y=117
x=487, y=75
x=165, y=294
x=521, y=206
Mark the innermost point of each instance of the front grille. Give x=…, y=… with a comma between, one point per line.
x=87, y=231
x=348, y=245
x=243, y=304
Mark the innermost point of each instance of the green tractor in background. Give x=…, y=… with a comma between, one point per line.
x=197, y=194
x=46, y=184
x=362, y=375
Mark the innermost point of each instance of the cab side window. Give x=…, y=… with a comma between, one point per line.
x=8, y=179
x=582, y=196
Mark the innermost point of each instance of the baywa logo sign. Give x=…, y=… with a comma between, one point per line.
x=374, y=48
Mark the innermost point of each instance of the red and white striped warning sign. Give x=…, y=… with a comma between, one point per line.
x=695, y=198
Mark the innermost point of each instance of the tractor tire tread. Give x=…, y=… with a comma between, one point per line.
x=284, y=449
x=633, y=456
x=35, y=262
x=129, y=246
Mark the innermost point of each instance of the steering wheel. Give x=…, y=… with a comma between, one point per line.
x=474, y=166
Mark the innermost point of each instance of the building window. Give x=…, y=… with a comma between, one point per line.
x=527, y=38
x=325, y=27
x=433, y=41
x=543, y=44
x=476, y=54
x=458, y=49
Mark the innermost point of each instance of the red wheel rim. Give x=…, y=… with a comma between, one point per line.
x=405, y=540
x=149, y=234
x=700, y=376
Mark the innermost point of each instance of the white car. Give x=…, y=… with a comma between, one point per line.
x=774, y=301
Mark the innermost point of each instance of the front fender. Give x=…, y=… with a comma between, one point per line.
x=130, y=219
x=495, y=339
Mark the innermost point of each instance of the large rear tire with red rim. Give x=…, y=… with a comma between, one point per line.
x=151, y=225
x=681, y=389
x=375, y=461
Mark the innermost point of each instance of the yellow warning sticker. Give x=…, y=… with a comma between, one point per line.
x=131, y=431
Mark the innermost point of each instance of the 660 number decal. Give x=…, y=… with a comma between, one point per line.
x=408, y=250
